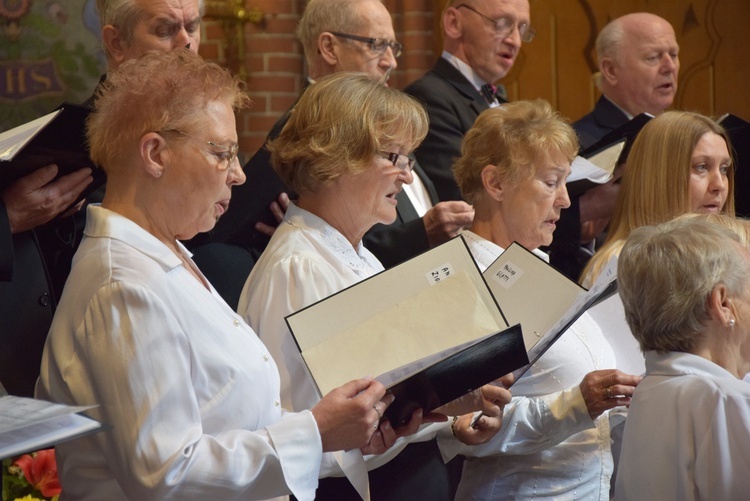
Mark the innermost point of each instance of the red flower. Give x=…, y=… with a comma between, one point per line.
x=40, y=470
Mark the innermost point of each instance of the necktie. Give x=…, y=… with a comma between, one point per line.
x=488, y=91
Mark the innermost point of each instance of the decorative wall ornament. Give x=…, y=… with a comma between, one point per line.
x=234, y=15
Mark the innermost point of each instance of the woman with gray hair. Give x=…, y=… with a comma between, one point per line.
x=684, y=287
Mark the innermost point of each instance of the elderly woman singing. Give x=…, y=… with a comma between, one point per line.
x=344, y=150
x=189, y=393
x=687, y=301
x=554, y=442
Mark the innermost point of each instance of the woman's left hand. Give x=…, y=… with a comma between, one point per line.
x=384, y=438
x=475, y=432
x=605, y=389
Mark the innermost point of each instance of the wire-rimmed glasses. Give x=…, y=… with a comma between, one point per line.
x=401, y=162
x=504, y=25
x=225, y=154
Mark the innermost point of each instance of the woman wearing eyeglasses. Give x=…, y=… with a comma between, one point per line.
x=189, y=393
x=344, y=151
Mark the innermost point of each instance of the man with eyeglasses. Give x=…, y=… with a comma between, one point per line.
x=340, y=35
x=481, y=40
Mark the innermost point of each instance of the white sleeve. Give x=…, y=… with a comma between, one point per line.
x=530, y=424
x=722, y=456
x=283, y=288
x=139, y=367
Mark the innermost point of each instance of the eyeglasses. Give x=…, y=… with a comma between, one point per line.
x=377, y=45
x=401, y=162
x=504, y=26
x=226, y=154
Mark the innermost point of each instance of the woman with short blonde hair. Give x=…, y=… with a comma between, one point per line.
x=554, y=441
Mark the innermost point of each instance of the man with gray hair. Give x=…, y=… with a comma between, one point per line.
x=638, y=64
x=481, y=41
x=336, y=35
x=36, y=252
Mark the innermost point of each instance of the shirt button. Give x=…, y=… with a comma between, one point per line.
x=277, y=403
x=236, y=322
x=44, y=299
x=265, y=358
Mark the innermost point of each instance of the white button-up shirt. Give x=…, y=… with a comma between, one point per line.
x=187, y=390
x=687, y=435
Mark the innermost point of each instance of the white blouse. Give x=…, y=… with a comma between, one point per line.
x=189, y=394
x=548, y=447
x=305, y=261
x=687, y=436
x=308, y=260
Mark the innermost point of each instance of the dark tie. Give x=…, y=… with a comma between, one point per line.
x=488, y=91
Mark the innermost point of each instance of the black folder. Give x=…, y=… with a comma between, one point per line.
x=429, y=329
x=627, y=132
x=57, y=138
x=461, y=373
x=739, y=133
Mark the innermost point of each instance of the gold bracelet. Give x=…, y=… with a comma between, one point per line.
x=453, y=425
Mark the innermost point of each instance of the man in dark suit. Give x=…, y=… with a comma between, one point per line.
x=35, y=251
x=638, y=65
x=359, y=37
x=27, y=298
x=480, y=43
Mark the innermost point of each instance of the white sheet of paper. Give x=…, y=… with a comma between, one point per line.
x=11, y=141
x=530, y=292
x=437, y=318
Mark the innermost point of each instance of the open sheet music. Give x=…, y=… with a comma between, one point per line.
x=28, y=424
x=401, y=322
x=545, y=302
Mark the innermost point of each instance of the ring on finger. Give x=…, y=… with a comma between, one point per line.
x=377, y=409
x=608, y=391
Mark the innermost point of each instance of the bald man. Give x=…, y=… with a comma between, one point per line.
x=638, y=63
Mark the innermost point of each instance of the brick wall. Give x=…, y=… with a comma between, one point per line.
x=275, y=64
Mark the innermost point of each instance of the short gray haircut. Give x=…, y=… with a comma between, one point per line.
x=610, y=40
x=124, y=15
x=327, y=15
x=666, y=274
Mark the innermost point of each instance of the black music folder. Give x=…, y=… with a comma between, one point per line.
x=56, y=138
x=542, y=300
x=620, y=141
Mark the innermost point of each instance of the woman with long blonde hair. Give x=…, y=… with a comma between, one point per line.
x=680, y=163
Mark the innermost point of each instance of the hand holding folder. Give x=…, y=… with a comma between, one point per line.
x=429, y=328
x=57, y=138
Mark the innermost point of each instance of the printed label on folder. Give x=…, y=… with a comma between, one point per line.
x=508, y=275
x=440, y=273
